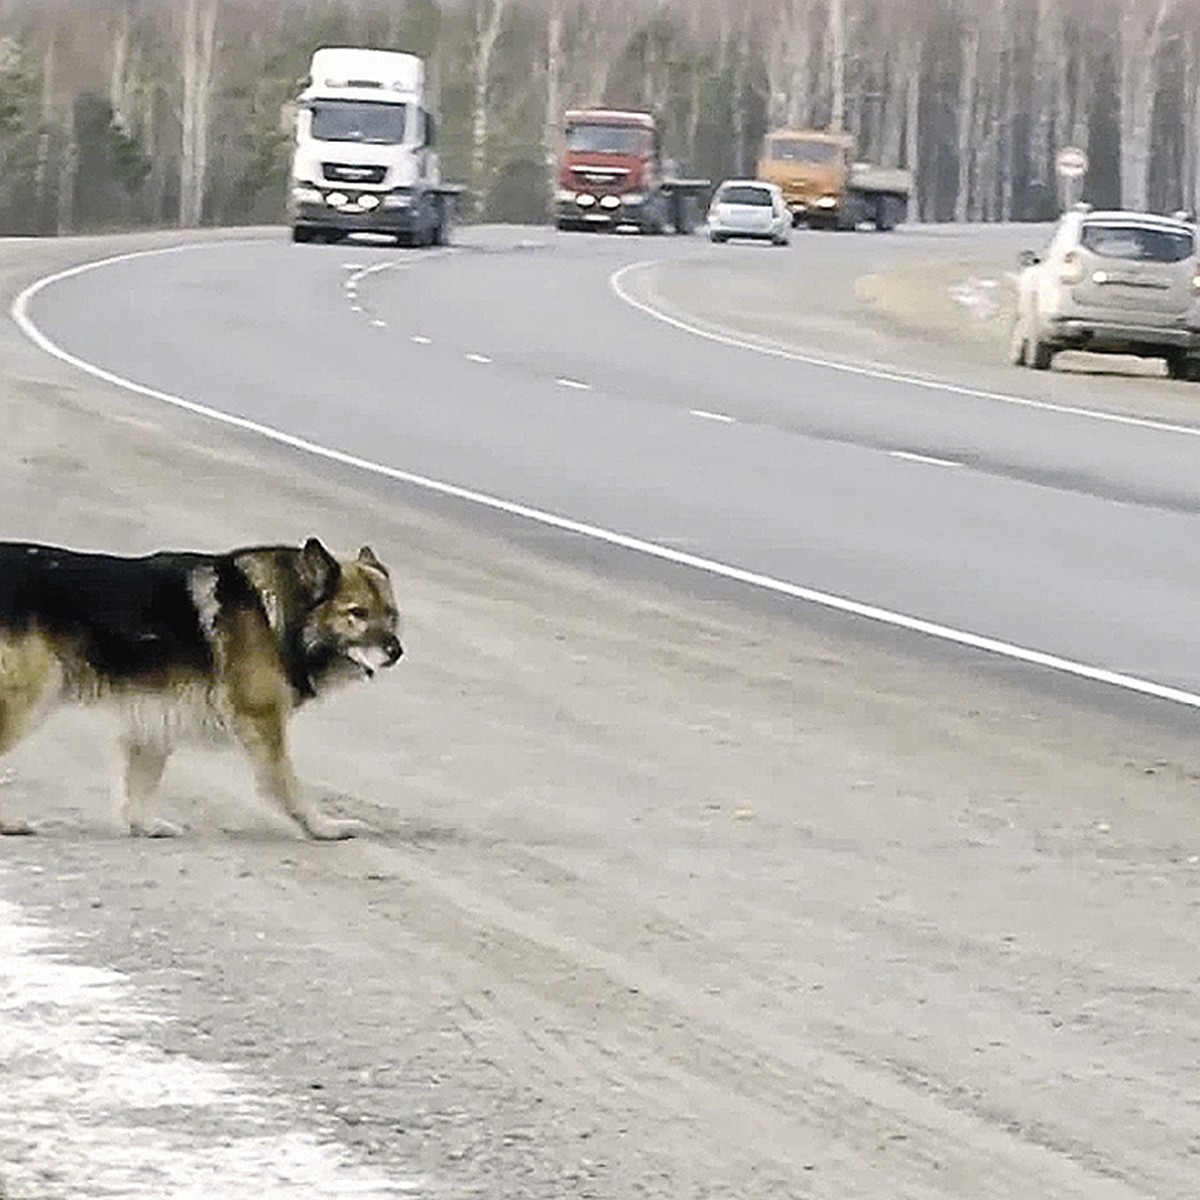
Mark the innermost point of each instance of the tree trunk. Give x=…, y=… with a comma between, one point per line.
x=553, y=123
x=837, y=64
x=1141, y=37
x=1048, y=69
x=489, y=17
x=912, y=139
x=967, y=86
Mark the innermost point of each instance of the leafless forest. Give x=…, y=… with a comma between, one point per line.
x=155, y=112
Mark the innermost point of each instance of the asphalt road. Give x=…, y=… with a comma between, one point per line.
x=1050, y=526
x=673, y=886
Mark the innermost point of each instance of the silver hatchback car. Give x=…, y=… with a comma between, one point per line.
x=749, y=208
x=1118, y=282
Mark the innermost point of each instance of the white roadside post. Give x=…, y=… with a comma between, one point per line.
x=1071, y=164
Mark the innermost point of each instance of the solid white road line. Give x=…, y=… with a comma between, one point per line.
x=618, y=283
x=478, y=358
x=712, y=416
x=421, y=341
x=923, y=458
x=1131, y=683
x=574, y=383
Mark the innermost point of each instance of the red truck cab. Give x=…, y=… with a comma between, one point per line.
x=610, y=173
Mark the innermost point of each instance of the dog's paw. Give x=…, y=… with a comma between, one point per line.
x=156, y=828
x=327, y=829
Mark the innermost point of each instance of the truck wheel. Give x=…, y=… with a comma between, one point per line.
x=886, y=214
x=301, y=233
x=1179, y=365
x=1018, y=346
x=443, y=234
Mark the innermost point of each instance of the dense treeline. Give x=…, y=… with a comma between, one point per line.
x=150, y=112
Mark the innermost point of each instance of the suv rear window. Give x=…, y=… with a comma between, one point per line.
x=1142, y=243
x=746, y=195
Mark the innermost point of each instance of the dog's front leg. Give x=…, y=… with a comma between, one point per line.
x=264, y=735
x=141, y=772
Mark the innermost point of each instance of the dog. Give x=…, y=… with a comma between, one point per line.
x=187, y=645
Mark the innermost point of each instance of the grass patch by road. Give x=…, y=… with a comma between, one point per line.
x=960, y=300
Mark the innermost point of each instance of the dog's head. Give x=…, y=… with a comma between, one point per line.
x=352, y=626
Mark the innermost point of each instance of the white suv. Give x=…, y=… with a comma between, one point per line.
x=1121, y=282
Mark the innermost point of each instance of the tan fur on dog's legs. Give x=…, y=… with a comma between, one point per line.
x=142, y=770
x=29, y=676
x=265, y=740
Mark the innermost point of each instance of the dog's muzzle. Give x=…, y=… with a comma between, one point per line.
x=394, y=651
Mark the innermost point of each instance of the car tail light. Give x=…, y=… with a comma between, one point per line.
x=1196, y=277
x=1072, y=267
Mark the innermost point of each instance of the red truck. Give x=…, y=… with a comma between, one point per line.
x=611, y=174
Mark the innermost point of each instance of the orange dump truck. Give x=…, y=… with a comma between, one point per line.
x=826, y=187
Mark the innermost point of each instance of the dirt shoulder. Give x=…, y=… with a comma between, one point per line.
x=669, y=892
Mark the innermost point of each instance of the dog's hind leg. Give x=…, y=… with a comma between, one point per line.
x=29, y=677
x=141, y=771
x=265, y=738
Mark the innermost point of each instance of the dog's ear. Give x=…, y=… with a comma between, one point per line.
x=319, y=570
x=367, y=556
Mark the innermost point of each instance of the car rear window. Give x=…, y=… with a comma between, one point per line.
x=1142, y=243
x=746, y=195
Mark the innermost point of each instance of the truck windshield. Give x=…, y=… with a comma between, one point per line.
x=356, y=121
x=804, y=150
x=608, y=139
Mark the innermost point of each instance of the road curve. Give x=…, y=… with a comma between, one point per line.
x=672, y=889
x=531, y=369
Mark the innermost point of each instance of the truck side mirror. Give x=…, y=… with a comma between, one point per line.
x=1029, y=258
x=430, y=130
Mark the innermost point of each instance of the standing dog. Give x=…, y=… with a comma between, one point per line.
x=190, y=644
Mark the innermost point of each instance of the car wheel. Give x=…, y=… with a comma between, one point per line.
x=301, y=233
x=716, y=237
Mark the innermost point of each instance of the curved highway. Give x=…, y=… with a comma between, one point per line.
x=672, y=884
x=1009, y=510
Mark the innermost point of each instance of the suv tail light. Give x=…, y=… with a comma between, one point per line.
x=1196, y=276
x=1071, y=270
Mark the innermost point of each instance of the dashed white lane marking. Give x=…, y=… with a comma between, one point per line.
x=80, y=1073
x=712, y=416
x=378, y=324
x=871, y=612
x=477, y=358
x=577, y=384
x=421, y=341
x=923, y=458
x=617, y=281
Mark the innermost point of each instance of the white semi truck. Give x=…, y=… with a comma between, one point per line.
x=366, y=157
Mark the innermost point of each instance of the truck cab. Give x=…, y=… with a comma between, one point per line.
x=610, y=171
x=611, y=174
x=810, y=168
x=365, y=158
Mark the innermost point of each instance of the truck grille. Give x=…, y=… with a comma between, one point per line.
x=353, y=173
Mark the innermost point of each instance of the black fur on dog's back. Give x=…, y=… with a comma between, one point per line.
x=130, y=619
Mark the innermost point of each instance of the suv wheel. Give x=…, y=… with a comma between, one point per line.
x=1018, y=346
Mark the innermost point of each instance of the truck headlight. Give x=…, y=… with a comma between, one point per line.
x=397, y=200
x=585, y=200
x=634, y=198
x=564, y=196
x=368, y=202
x=610, y=202
x=827, y=202
x=337, y=199
x=305, y=193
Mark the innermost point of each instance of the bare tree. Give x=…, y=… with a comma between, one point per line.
x=488, y=23
x=1142, y=29
x=198, y=55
